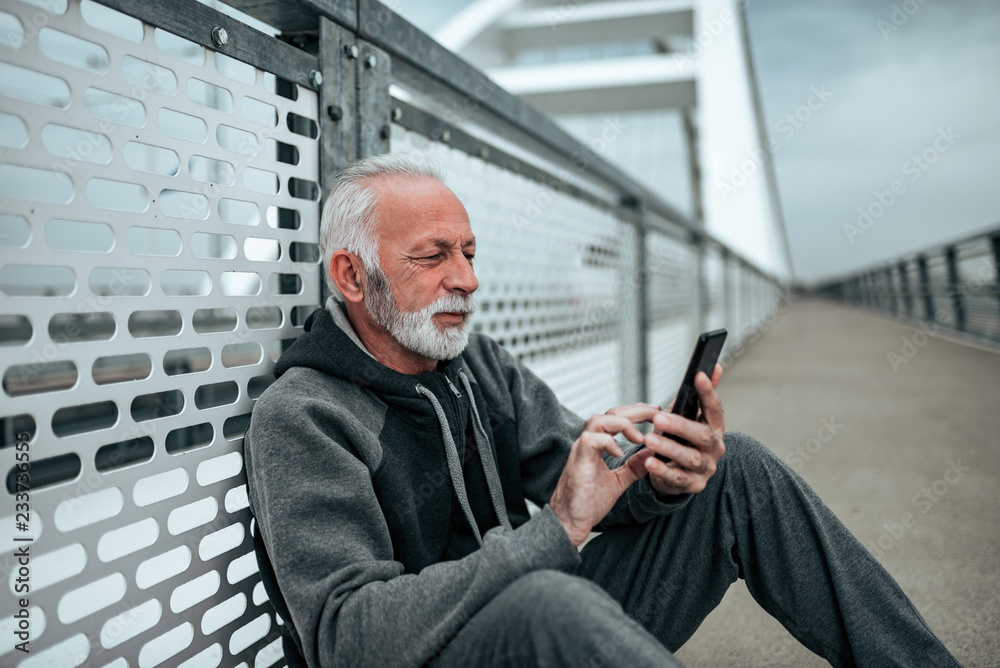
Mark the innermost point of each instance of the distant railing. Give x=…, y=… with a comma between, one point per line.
x=954, y=285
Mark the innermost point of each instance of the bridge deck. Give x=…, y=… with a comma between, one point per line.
x=902, y=427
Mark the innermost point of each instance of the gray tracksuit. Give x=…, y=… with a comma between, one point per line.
x=390, y=507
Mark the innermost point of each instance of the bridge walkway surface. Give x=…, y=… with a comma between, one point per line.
x=902, y=429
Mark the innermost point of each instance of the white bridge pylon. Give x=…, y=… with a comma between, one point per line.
x=688, y=58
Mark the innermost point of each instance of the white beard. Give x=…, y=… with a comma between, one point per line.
x=415, y=330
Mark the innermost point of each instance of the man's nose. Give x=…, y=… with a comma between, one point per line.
x=461, y=276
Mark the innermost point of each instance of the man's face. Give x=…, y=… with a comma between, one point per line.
x=423, y=293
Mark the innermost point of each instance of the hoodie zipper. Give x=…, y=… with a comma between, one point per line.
x=453, y=388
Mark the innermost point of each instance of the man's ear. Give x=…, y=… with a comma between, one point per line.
x=346, y=270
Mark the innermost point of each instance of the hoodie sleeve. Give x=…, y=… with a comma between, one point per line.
x=546, y=432
x=329, y=548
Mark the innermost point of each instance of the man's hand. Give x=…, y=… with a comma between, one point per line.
x=690, y=467
x=587, y=488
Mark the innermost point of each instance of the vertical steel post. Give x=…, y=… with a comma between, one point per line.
x=338, y=115
x=904, y=288
x=892, y=299
x=724, y=257
x=374, y=74
x=955, y=289
x=925, y=288
x=995, y=243
x=702, y=307
x=642, y=284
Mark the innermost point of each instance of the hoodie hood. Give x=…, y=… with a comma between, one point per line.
x=442, y=401
x=325, y=346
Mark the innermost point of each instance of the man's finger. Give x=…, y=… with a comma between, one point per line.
x=716, y=375
x=711, y=406
x=614, y=424
x=601, y=443
x=684, y=456
x=697, y=434
x=633, y=469
x=637, y=412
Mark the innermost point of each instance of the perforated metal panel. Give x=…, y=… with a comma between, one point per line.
x=715, y=283
x=160, y=220
x=556, y=275
x=977, y=274
x=673, y=313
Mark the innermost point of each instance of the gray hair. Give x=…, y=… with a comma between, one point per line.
x=349, y=222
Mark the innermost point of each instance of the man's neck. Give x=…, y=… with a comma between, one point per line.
x=383, y=347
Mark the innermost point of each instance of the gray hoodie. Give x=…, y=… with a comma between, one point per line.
x=390, y=507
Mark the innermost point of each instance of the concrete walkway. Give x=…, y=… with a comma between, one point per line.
x=903, y=429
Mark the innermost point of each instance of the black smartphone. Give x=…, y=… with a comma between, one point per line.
x=706, y=354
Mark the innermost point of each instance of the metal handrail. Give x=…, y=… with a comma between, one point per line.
x=957, y=297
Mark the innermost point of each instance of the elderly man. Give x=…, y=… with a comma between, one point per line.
x=389, y=463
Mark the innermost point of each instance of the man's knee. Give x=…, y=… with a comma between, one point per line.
x=559, y=601
x=547, y=591
x=569, y=616
x=745, y=451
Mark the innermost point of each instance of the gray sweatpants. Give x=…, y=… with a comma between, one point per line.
x=642, y=590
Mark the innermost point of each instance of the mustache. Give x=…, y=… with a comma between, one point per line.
x=453, y=303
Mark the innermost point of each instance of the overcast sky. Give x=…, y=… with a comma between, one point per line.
x=893, y=93
x=923, y=82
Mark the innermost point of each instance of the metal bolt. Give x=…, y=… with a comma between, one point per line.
x=484, y=152
x=384, y=132
x=446, y=136
x=219, y=36
x=315, y=78
x=335, y=112
x=351, y=51
x=397, y=113
x=371, y=62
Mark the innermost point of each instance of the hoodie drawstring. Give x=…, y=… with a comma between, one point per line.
x=486, y=455
x=455, y=467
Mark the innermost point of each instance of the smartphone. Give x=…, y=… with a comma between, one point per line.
x=706, y=354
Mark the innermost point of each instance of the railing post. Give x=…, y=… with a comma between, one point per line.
x=338, y=110
x=703, y=296
x=891, y=296
x=925, y=288
x=954, y=289
x=643, y=286
x=904, y=288
x=995, y=243
x=374, y=101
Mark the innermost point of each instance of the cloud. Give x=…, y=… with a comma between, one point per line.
x=891, y=96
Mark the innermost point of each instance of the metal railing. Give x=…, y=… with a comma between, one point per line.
x=161, y=171
x=955, y=286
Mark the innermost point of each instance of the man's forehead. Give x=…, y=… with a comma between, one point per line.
x=435, y=239
x=421, y=210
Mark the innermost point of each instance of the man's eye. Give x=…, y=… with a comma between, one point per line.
x=470, y=258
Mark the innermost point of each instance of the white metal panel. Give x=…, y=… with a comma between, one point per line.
x=148, y=286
